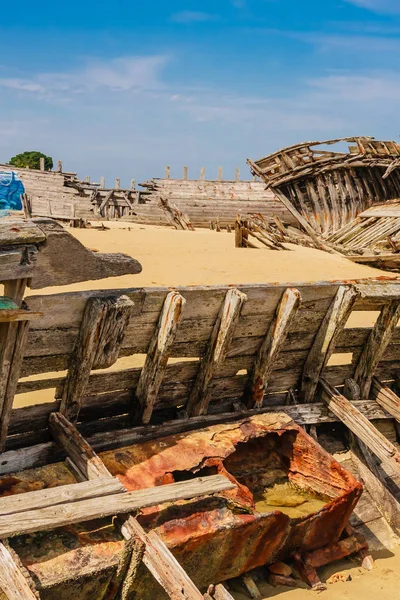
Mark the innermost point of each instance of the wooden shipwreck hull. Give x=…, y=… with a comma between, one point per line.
x=143, y=480
x=347, y=202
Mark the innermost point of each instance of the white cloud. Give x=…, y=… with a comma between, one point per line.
x=120, y=74
x=378, y=6
x=192, y=16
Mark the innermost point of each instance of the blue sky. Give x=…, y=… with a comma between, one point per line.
x=123, y=88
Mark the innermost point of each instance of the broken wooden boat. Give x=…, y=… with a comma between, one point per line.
x=346, y=201
x=211, y=459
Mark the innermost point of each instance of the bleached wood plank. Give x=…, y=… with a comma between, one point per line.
x=84, y=510
x=386, y=398
x=12, y=581
x=271, y=346
x=73, y=492
x=376, y=345
x=325, y=340
x=153, y=371
x=217, y=349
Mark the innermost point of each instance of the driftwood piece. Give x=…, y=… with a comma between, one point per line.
x=251, y=587
x=376, y=345
x=217, y=349
x=157, y=357
x=104, y=486
x=162, y=564
x=360, y=426
x=100, y=337
x=271, y=346
x=180, y=220
x=325, y=340
x=84, y=510
x=13, y=583
x=79, y=451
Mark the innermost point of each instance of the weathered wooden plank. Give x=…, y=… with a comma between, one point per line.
x=325, y=340
x=104, y=486
x=386, y=398
x=270, y=348
x=162, y=564
x=360, y=426
x=85, y=510
x=376, y=345
x=217, y=349
x=221, y=593
x=13, y=583
x=100, y=338
x=378, y=292
x=79, y=451
x=18, y=232
x=157, y=357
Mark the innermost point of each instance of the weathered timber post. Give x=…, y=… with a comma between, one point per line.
x=117, y=183
x=102, y=183
x=42, y=164
x=167, y=172
x=133, y=184
x=219, y=173
x=87, y=179
x=59, y=166
x=185, y=173
x=237, y=174
x=202, y=173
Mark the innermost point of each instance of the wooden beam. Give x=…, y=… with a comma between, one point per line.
x=162, y=564
x=117, y=183
x=185, y=173
x=41, y=163
x=270, y=348
x=386, y=398
x=13, y=583
x=360, y=426
x=217, y=349
x=325, y=340
x=376, y=345
x=80, y=452
x=100, y=337
x=219, y=173
x=102, y=183
x=106, y=200
x=202, y=173
x=105, y=486
x=157, y=357
x=167, y=172
x=237, y=174
x=60, y=515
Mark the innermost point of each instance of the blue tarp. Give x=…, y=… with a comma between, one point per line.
x=11, y=189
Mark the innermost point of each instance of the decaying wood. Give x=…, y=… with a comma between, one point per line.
x=100, y=337
x=221, y=593
x=162, y=564
x=217, y=349
x=104, y=486
x=386, y=398
x=180, y=220
x=251, y=587
x=360, y=426
x=60, y=515
x=325, y=340
x=157, y=357
x=271, y=346
x=376, y=484
x=13, y=583
x=79, y=451
x=376, y=345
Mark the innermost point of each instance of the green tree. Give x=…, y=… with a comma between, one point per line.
x=31, y=160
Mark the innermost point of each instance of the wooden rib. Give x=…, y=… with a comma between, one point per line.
x=360, y=426
x=157, y=357
x=333, y=201
x=386, y=398
x=100, y=337
x=217, y=349
x=270, y=348
x=104, y=486
x=325, y=340
x=326, y=209
x=221, y=593
x=376, y=345
x=13, y=583
x=313, y=199
x=80, y=452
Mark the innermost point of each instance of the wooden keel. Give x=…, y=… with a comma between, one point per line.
x=159, y=351
x=217, y=349
x=270, y=348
